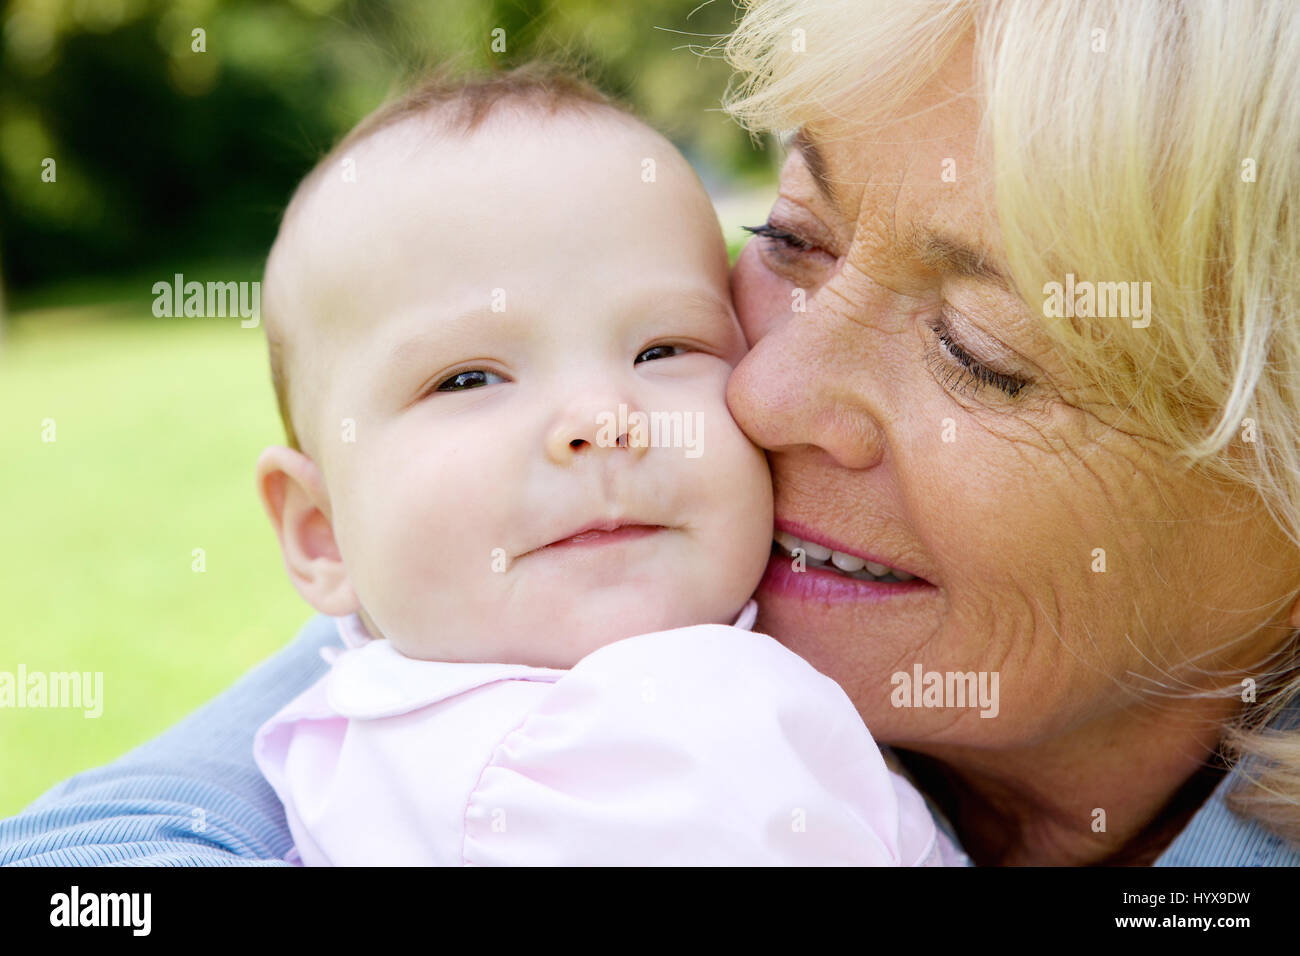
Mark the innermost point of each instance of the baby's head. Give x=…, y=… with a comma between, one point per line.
x=501, y=335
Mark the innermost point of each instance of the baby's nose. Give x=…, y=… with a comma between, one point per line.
x=587, y=428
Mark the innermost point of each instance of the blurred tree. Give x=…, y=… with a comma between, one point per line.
x=137, y=134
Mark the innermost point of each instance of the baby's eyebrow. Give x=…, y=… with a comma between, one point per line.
x=443, y=327
x=698, y=301
x=448, y=330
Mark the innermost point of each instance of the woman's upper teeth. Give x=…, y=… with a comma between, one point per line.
x=849, y=564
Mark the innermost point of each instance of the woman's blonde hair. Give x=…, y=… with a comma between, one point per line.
x=1131, y=140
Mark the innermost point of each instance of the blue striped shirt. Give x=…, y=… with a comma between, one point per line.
x=193, y=796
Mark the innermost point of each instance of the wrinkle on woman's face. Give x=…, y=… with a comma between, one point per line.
x=1068, y=555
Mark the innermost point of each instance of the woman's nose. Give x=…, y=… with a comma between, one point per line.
x=588, y=426
x=796, y=388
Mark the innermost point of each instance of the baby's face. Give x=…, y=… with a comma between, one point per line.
x=490, y=313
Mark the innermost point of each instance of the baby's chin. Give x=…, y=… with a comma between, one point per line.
x=561, y=639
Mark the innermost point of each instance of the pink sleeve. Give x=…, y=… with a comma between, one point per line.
x=703, y=745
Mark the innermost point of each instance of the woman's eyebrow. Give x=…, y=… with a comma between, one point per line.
x=816, y=163
x=940, y=252
x=944, y=253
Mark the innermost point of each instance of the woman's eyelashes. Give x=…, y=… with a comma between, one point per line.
x=967, y=371
x=777, y=234
x=786, y=251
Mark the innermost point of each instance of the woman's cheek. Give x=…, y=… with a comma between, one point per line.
x=762, y=299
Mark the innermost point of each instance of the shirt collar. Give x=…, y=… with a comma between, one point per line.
x=371, y=679
x=1217, y=836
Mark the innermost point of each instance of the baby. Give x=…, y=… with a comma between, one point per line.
x=501, y=333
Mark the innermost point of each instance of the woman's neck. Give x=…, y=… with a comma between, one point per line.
x=1105, y=795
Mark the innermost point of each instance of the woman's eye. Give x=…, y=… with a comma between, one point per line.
x=474, y=378
x=779, y=235
x=791, y=256
x=657, y=352
x=971, y=372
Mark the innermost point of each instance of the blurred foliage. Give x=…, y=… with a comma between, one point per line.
x=166, y=154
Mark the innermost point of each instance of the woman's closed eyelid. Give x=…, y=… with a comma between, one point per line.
x=796, y=217
x=973, y=370
x=788, y=253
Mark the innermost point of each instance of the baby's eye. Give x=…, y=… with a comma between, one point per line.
x=657, y=352
x=471, y=379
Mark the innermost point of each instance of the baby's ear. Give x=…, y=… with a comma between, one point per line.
x=294, y=496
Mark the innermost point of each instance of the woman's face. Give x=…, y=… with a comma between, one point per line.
x=914, y=414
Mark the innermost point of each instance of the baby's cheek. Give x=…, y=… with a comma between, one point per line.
x=398, y=542
x=741, y=483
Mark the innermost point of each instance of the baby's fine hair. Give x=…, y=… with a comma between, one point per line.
x=456, y=102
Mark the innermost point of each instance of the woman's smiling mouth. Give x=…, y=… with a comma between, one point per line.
x=807, y=570
x=849, y=565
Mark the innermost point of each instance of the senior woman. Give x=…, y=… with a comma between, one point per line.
x=1024, y=328
x=1101, y=504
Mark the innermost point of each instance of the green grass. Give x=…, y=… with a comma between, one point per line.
x=158, y=423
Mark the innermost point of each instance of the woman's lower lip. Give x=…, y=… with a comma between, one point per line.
x=827, y=587
x=588, y=539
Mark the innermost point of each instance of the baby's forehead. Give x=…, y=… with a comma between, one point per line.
x=349, y=207
x=405, y=156
x=423, y=181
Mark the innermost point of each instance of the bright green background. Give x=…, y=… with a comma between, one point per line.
x=158, y=425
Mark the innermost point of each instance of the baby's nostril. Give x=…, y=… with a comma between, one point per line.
x=577, y=443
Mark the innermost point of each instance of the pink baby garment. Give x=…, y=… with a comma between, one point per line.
x=702, y=745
